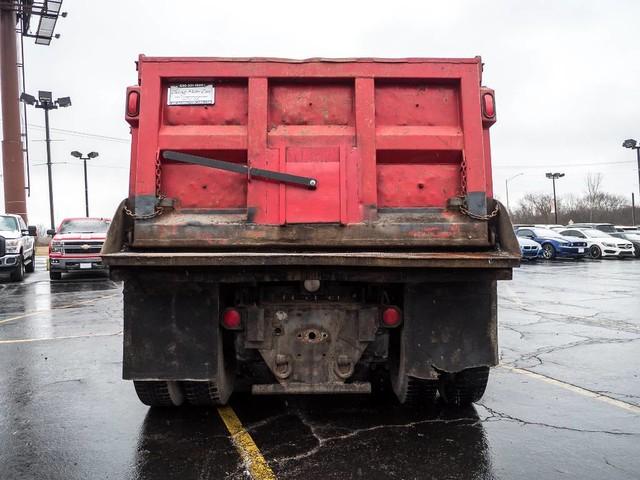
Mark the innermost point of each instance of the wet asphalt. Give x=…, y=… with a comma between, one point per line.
x=564, y=404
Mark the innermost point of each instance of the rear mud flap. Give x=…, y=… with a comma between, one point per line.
x=170, y=333
x=449, y=327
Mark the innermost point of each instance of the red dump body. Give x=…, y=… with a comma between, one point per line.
x=309, y=227
x=387, y=141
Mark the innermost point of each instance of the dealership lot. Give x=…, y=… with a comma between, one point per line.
x=564, y=404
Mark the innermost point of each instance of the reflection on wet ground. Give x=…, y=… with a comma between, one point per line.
x=65, y=413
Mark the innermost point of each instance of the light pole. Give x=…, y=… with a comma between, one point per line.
x=554, y=177
x=89, y=156
x=45, y=101
x=633, y=144
x=506, y=186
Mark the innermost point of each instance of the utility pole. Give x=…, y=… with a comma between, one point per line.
x=49, y=176
x=554, y=177
x=89, y=156
x=12, y=160
x=45, y=102
x=12, y=12
x=633, y=144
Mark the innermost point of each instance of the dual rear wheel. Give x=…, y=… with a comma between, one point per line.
x=458, y=389
x=160, y=393
x=210, y=393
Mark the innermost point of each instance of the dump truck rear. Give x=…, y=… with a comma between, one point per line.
x=310, y=227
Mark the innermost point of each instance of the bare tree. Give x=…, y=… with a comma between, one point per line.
x=595, y=205
x=535, y=208
x=593, y=193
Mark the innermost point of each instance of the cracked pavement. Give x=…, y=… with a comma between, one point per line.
x=65, y=413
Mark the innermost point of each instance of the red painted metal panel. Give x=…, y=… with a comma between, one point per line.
x=310, y=103
x=404, y=185
x=420, y=103
x=230, y=107
x=206, y=188
x=375, y=133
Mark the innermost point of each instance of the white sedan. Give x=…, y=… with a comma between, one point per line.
x=602, y=244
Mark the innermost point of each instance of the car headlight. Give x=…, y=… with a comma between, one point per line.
x=12, y=245
x=56, y=247
x=610, y=245
x=564, y=244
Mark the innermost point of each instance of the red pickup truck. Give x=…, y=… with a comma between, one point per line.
x=76, y=246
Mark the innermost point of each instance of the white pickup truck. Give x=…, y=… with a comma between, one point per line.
x=17, y=247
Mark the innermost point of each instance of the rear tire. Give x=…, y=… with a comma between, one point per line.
x=409, y=390
x=216, y=391
x=464, y=387
x=159, y=393
x=595, y=252
x=55, y=275
x=17, y=275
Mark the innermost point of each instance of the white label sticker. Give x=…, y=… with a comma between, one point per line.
x=191, y=94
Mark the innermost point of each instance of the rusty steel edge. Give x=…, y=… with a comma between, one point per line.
x=466, y=260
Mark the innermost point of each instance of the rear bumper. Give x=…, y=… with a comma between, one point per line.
x=457, y=260
x=61, y=264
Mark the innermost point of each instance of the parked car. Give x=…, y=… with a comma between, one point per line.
x=631, y=235
x=17, y=247
x=554, y=245
x=603, y=227
x=76, y=246
x=529, y=249
x=550, y=226
x=628, y=228
x=602, y=244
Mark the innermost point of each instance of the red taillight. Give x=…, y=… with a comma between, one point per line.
x=391, y=317
x=489, y=105
x=231, y=319
x=133, y=103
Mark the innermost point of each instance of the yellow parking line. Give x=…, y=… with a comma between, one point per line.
x=70, y=305
x=252, y=457
x=29, y=340
x=574, y=388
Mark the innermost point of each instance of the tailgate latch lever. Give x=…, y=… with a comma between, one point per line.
x=309, y=183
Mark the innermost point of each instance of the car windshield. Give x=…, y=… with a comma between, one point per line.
x=545, y=232
x=8, y=223
x=85, y=226
x=593, y=233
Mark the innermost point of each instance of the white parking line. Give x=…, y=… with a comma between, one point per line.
x=30, y=340
x=61, y=307
x=574, y=388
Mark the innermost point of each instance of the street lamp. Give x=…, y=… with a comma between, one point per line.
x=89, y=156
x=633, y=144
x=506, y=186
x=46, y=102
x=554, y=177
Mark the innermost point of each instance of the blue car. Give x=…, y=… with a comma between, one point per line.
x=553, y=244
x=529, y=250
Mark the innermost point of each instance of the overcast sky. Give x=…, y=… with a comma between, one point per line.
x=566, y=75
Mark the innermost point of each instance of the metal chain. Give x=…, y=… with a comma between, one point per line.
x=463, y=195
x=159, y=197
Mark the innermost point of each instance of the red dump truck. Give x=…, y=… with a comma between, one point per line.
x=310, y=227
